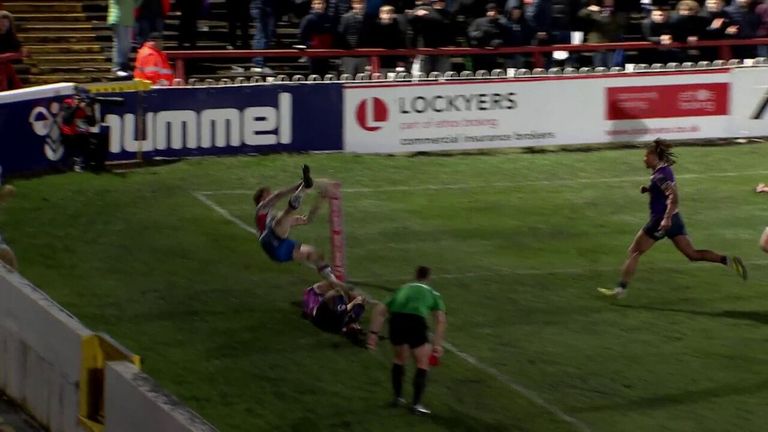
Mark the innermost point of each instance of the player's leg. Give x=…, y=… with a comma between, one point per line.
x=310, y=254
x=640, y=245
x=282, y=225
x=398, y=332
x=684, y=245
x=764, y=241
x=421, y=350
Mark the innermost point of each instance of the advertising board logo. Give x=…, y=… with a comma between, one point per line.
x=667, y=101
x=43, y=122
x=371, y=113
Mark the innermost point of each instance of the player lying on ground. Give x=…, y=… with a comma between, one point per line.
x=277, y=227
x=331, y=310
x=665, y=221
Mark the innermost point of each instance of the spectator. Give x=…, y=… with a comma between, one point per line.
x=658, y=29
x=150, y=17
x=190, y=11
x=238, y=18
x=152, y=63
x=748, y=21
x=351, y=30
x=761, y=10
x=487, y=32
x=719, y=20
x=604, y=25
x=688, y=26
x=433, y=27
x=120, y=19
x=387, y=32
x=263, y=14
x=518, y=33
x=9, y=44
x=317, y=31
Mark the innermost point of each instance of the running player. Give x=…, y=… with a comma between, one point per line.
x=274, y=233
x=665, y=221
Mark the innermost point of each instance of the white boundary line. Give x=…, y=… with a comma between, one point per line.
x=530, y=395
x=510, y=184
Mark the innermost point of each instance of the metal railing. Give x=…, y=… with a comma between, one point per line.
x=538, y=53
x=496, y=74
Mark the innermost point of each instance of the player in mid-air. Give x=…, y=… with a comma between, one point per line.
x=274, y=228
x=665, y=221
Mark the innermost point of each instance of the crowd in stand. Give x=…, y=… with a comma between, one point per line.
x=393, y=24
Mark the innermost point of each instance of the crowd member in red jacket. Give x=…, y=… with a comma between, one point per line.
x=152, y=63
x=9, y=44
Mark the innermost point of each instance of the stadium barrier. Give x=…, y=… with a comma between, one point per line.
x=71, y=379
x=399, y=113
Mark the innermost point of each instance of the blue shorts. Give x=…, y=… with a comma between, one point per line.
x=279, y=250
x=677, y=228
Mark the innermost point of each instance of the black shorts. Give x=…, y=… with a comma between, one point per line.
x=407, y=329
x=651, y=229
x=328, y=319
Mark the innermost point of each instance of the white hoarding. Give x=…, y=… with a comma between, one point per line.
x=432, y=116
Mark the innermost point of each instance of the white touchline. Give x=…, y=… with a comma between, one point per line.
x=509, y=184
x=225, y=213
x=530, y=395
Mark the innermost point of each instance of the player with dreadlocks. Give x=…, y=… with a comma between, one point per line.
x=665, y=221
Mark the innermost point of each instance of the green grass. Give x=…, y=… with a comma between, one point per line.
x=517, y=259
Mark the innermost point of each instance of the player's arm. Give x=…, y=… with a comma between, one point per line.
x=377, y=322
x=440, y=323
x=672, y=201
x=277, y=196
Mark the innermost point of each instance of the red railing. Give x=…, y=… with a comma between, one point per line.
x=537, y=52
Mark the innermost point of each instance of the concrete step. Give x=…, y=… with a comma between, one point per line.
x=42, y=38
x=51, y=79
x=51, y=59
x=101, y=67
x=69, y=28
x=43, y=7
x=38, y=17
x=82, y=48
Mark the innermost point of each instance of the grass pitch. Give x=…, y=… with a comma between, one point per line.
x=518, y=243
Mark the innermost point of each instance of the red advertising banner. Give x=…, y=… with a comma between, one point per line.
x=667, y=101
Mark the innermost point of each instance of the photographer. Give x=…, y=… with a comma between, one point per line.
x=75, y=120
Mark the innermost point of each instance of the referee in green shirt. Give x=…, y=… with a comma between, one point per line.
x=408, y=310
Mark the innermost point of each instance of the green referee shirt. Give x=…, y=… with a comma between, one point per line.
x=415, y=298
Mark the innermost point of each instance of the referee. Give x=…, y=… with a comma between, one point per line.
x=408, y=310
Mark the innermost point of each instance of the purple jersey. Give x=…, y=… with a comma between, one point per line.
x=312, y=299
x=661, y=179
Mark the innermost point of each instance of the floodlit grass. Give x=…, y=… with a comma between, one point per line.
x=518, y=243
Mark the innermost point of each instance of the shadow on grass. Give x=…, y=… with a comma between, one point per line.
x=681, y=398
x=760, y=317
